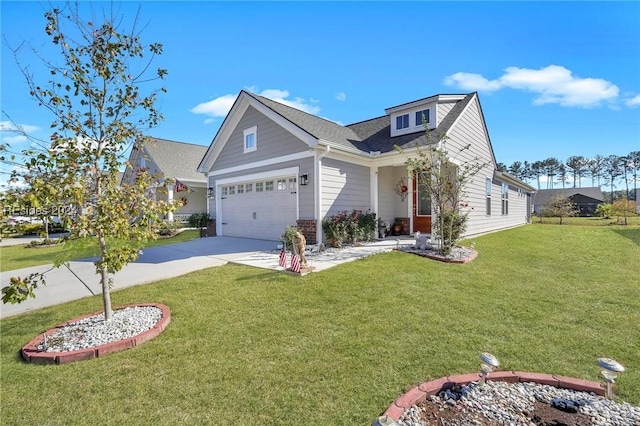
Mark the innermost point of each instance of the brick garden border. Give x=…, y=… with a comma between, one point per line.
x=421, y=392
x=31, y=354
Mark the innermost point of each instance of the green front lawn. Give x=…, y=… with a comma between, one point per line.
x=249, y=346
x=18, y=257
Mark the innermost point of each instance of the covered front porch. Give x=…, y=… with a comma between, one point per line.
x=398, y=200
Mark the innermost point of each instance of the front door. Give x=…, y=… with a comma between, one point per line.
x=421, y=208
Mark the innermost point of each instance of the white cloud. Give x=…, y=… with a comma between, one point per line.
x=220, y=106
x=552, y=84
x=341, y=96
x=14, y=139
x=9, y=127
x=633, y=102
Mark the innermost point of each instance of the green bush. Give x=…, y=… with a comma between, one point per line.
x=31, y=228
x=199, y=220
x=345, y=227
x=165, y=229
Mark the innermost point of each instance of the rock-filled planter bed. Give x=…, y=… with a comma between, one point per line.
x=509, y=397
x=88, y=337
x=458, y=254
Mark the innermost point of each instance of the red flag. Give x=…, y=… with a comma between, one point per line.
x=283, y=259
x=181, y=186
x=295, y=263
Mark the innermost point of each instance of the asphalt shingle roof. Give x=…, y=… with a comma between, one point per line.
x=177, y=159
x=366, y=136
x=543, y=196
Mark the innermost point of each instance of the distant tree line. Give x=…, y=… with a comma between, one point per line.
x=609, y=171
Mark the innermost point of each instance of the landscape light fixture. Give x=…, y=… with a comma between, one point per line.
x=610, y=370
x=488, y=363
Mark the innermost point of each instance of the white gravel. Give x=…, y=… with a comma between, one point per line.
x=510, y=404
x=94, y=331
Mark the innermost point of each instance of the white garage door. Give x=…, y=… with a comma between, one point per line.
x=259, y=209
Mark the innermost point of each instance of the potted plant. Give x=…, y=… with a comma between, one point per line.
x=397, y=228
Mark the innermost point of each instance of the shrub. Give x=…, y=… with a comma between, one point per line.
x=349, y=227
x=454, y=224
x=165, y=229
x=199, y=220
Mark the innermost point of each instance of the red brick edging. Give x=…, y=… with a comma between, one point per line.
x=31, y=353
x=420, y=393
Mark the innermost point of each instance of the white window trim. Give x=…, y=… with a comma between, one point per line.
x=247, y=132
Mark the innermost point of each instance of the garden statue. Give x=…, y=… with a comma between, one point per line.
x=299, y=245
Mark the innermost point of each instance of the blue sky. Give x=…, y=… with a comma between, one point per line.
x=555, y=78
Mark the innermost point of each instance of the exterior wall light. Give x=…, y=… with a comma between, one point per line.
x=211, y=192
x=488, y=363
x=610, y=370
x=304, y=179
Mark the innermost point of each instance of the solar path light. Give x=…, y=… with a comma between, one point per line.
x=610, y=370
x=488, y=363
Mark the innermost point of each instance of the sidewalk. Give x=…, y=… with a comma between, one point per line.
x=162, y=262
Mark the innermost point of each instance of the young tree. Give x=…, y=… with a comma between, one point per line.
x=95, y=97
x=561, y=207
x=623, y=208
x=446, y=182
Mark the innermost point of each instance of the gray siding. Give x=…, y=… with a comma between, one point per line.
x=271, y=141
x=386, y=194
x=443, y=109
x=470, y=129
x=345, y=186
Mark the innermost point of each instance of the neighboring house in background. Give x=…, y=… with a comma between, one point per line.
x=271, y=165
x=585, y=199
x=638, y=200
x=176, y=161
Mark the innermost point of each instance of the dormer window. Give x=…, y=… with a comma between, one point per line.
x=250, y=139
x=422, y=117
x=402, y=121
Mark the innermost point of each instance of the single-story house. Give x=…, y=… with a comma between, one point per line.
x=176, y=161
x=271, y=165
x=585, y=199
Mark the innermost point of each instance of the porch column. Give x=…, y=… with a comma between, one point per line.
x=373, y=183
x=170, y=189
x=410, y=203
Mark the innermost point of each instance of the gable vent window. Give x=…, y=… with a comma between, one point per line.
x=251, y=139
x=422, y=117
x=402, y=121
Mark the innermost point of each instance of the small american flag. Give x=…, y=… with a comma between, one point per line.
x=295, y=263
x=283, y=259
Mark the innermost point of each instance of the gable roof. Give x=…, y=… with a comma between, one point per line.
x=319, y=128
x=177, y=160
x=375, y=134
x=543, y=196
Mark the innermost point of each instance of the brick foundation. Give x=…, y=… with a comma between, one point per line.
x=308, y=229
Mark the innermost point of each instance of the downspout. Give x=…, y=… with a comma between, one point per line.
x=318, y=191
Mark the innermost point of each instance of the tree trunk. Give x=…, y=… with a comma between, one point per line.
x=104, y=279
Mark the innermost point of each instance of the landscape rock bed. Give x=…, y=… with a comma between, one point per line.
x=511, y=398
x=90, y=337
x=458, y=254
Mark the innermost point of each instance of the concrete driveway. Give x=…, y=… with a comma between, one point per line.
x=154, y=264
